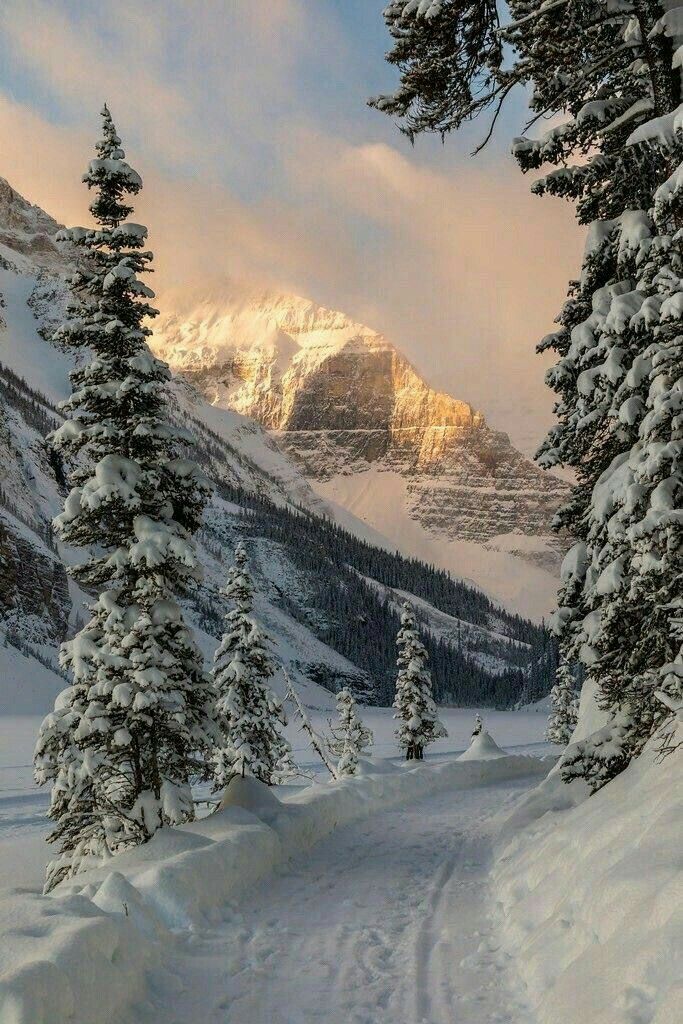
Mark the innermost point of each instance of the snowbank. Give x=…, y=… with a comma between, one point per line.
x=82, y=954
x=592, y=897
x=66, y=960
x=482, y=748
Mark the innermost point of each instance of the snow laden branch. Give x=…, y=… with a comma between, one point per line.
x=542, y=11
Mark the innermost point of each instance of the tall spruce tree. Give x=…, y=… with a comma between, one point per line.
x=249, y=714
x=419, y=723
x=612, y=71
x=126, y=738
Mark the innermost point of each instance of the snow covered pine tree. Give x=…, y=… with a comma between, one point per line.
x=249, y=714
x=565, y=706
x=416, y=712
x=613, y=71
x=126, y=738
x=351, y=738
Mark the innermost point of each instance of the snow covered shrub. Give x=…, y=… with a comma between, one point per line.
x=249, y=714
x=565, y=707
x=126, y=738
x=351, y=738
x=416, y=712
x=613, y=73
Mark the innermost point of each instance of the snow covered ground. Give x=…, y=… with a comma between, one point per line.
x=590, y=897
x=386, y=921
x=465, y=891
x=157, y=936
x=23, y=826
x=23, y=851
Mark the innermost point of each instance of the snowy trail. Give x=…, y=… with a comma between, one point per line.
x=385, y=921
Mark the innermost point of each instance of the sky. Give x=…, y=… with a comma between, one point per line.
x=261, y=160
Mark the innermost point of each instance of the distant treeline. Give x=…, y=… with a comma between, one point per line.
x=340, y=607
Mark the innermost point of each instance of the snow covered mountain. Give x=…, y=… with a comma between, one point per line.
x=317, y=582
x=371, y=435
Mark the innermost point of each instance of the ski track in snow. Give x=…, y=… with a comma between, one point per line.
x=385, y=922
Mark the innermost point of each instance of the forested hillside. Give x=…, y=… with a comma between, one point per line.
x=325, y=595
x=506, y=660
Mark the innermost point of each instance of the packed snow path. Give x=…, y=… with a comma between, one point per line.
x=387, y=920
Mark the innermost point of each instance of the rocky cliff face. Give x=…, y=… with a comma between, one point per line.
x=341, y=400
x=26, y=229
x=295, y=366
x=33, y=589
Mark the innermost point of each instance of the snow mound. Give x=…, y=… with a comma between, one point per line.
x=68, y=960
x=482, y=748
x=251, y=795
x=83, y=953
x=591, y=896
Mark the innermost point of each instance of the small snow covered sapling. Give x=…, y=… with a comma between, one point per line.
x=416, y=712
x=126, y=738
x=565, y=706
x=249, y=715
x=478, y=725
x=350, y=738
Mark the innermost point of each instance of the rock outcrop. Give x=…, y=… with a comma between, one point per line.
x=34, y=590
x=26, y=229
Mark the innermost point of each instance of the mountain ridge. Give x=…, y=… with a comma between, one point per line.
x=344, y=403
x=256, y=345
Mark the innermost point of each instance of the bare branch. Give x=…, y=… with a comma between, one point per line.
x=317, y=742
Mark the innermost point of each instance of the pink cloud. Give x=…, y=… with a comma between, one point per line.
x=466, y=271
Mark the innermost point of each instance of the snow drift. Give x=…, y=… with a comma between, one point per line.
x=82, y=954
x=592, y=897
x=482, y=748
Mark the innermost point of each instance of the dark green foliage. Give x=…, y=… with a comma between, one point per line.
x=606, y=71
x=34, y=407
